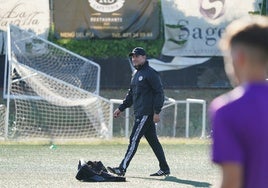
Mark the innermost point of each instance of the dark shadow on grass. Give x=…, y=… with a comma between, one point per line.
x=180, y=181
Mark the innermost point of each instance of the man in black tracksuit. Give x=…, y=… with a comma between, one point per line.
x=147, y=97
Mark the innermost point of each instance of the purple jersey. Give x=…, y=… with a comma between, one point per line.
x=240, y=131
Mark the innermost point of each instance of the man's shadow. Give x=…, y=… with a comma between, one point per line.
x=180, y=181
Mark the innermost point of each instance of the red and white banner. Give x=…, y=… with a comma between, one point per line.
x=194, y=27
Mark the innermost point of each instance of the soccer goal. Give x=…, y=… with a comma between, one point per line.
x=50, y=91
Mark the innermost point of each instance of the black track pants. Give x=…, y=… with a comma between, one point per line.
x=144, y=126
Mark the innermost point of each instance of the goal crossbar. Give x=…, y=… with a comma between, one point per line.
x=50, y=91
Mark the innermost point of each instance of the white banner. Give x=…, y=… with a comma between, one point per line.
x=27, y=14
x=176, y=64
x=194, y=27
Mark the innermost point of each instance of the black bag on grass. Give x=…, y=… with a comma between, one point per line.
x=94, y=171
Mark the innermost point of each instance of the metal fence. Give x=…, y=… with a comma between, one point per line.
x=170, y=115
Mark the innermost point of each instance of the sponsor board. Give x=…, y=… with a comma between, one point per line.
x=194, y=27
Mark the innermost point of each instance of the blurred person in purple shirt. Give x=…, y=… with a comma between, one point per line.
x=240, y=118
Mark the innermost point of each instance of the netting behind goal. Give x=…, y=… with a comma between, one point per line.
x=53, y=92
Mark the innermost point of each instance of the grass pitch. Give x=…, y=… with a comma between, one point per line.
x=37, y=165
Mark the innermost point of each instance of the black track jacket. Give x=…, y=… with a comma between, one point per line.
x=145, y=93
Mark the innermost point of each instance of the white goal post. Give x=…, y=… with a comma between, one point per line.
x=50, y=91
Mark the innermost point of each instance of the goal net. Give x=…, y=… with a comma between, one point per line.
x=51, y=92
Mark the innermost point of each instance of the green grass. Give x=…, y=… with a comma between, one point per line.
x=24, y=164
x=34, y=164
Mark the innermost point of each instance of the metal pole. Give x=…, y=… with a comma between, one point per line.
x=127, y=123
x=204, y=121
x=175, y=119
x=187, y=118
x=111, y=120
x=9, y=69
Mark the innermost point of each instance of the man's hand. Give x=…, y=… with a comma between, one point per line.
x=156, y=118
x=117, y=112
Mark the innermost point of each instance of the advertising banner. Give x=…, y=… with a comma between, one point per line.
x=106, y=19
x=194, y=27
x=27, y=14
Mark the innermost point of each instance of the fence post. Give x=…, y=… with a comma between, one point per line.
x=127, y=123
x=111, y=120
x=187, y=118
x=199, y=101
x=175, y=118
x=204, y=120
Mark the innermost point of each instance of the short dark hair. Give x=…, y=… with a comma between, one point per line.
x=251, y=31
x=253, y=35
